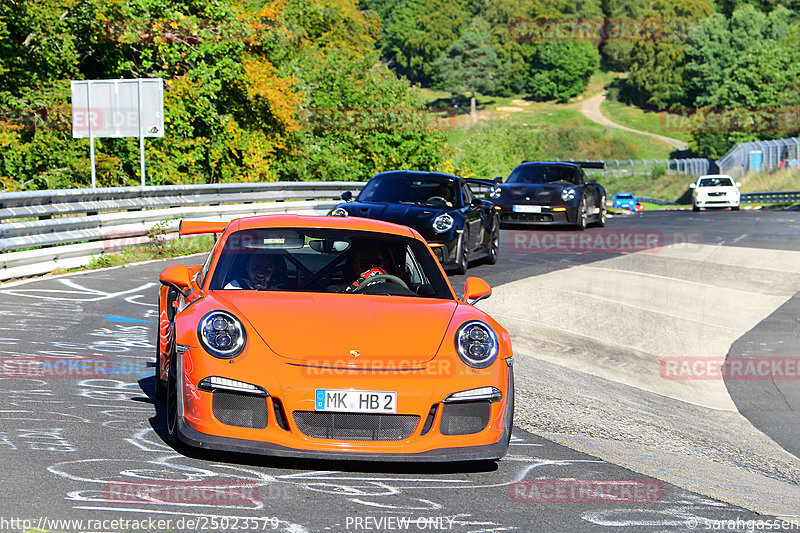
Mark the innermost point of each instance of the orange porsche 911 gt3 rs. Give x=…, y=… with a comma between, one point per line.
x=334, y=338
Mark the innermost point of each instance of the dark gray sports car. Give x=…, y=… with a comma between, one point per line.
x=458, y=226
x=551, y=193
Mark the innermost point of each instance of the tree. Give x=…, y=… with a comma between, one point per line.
x=470, y=64
x=419, y=32
x=561, y=70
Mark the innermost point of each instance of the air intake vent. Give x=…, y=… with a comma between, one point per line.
x=355, y=426
x=465, y=418
x=241, y=410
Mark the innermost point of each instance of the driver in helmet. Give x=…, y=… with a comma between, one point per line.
x=368, y=262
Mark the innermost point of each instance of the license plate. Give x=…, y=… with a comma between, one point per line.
x=527, y=209
x=355, y=401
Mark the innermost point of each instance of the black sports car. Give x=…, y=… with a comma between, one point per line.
x=458, y=226
x=551, y=193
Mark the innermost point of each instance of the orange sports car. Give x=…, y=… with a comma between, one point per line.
x=334, y=338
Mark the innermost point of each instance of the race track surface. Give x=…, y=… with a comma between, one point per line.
x=89, y=445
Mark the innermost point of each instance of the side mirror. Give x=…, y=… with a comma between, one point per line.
x=476, y=202
x=738, y=183
x=692, y=185
x=178, y=278
x=498, y=180
x=347, y=196
x=476, y=289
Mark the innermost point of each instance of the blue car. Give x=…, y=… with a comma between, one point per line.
x=458, y=226
x=625, y=200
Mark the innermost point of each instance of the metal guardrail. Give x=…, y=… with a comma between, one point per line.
x=71, y=226
x=778, y=197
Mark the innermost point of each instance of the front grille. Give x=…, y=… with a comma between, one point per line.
x=237, y=409
x=465, y=418
x=525, y=217
x=355, y=426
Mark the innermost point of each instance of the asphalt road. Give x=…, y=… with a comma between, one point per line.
x=87, y=442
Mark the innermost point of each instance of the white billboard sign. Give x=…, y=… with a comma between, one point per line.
x=117, y=108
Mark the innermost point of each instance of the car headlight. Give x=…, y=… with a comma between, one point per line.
x=568, y=194
x=339, y=212
x=476, y=344
x=495, y=193
x=442, y=223
x=221, y=334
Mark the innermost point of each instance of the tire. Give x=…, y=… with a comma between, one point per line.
x=601, y=222
x=735, y=208
x=171, y=412
x=463, y=260
x=494, y=242
x=695, y=208
x=580, y=223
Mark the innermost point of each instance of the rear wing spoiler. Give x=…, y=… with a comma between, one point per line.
x=199, y=227
x=582, y=164
x=590, y=164
x=484, y=183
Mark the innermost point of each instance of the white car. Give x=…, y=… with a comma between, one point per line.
x=715, y=190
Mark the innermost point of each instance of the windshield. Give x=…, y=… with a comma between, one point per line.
x=328, y=260
x=538, y=174
x=716, y=182
x=410, y=188
x=624, y=196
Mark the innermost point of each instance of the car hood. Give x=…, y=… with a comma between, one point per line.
x=416, y=216
x=531, y=192
x=346, y=329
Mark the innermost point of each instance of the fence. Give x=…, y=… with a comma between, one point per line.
x=66, y=228
x=756, y=156
x=689, y=167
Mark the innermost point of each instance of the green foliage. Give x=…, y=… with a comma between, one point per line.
x=470, y=64
x=240, y=79
x=418, y=32
x=495, y=148
x=748, y=62
x=656, y=67
x=561, y=70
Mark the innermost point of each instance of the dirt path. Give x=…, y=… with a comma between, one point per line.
x=591, y=110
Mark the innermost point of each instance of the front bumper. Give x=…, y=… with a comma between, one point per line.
x=718, y=201
x=547, y=216
x=280, y=433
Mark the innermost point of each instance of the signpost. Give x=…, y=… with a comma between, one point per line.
x=117, y=108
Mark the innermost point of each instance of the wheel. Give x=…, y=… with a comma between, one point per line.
x=172, y=402
x=601, y=223
x=463, y=260
x=695, y=208
x=161, y=386
x=494, y=242
x=581, y=221
x=735, y=208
